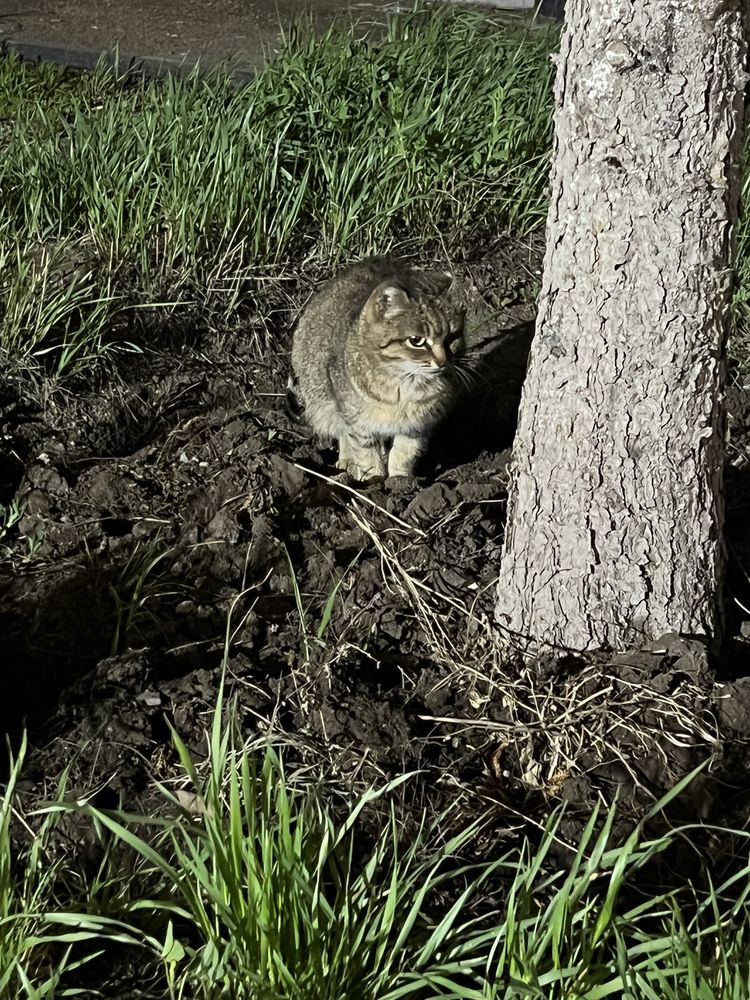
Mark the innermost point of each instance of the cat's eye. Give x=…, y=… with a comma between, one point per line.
x=416, y=341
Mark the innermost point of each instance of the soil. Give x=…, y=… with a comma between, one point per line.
x=176, y=519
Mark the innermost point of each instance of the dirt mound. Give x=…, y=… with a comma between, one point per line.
x=176, y=522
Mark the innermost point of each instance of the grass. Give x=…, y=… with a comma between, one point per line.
x=48, y=927
x=124, y=203
x=125, y=200
x=268, y=887
x=118, y=197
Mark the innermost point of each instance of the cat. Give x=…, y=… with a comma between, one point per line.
x=374, y=356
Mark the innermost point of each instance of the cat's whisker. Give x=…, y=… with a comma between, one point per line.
x=472, y=372
x=467, y=363
x=465, y=377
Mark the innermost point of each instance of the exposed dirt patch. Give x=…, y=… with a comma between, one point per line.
x=177, y=518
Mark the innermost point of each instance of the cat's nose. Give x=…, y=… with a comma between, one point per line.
x=439, y=357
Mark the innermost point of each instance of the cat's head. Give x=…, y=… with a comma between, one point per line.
x=412, y=330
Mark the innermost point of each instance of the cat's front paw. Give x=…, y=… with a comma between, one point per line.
x=362, y=462
x=404, y=455
x=396, y=471
x=362, y=474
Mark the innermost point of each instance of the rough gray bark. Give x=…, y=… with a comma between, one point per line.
x=616, y=510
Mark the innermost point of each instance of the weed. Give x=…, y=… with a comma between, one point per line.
x=188, y=190
x=142, y=586
x=269, y=892
x=326, y=612
x=10, y=514
x=46, y=931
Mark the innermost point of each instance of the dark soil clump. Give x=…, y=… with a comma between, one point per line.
x=176, y=521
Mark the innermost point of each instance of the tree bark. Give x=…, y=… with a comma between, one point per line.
x=615, y=511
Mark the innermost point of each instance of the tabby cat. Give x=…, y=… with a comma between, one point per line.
x=374, y=359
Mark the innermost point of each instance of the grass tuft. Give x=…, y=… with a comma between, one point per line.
x=182, y=194
x=187, y=190
x=269, y=890
x=49, y=930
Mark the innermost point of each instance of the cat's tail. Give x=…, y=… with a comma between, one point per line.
x=294, y=406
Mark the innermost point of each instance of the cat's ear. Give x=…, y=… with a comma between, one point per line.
x=434, y=283
x=387, y=302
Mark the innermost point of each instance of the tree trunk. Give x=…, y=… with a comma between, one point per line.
x=616, y=509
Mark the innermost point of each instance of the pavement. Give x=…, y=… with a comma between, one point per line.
x=173, y=35
x=163, y=34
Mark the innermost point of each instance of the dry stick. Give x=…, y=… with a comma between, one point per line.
x=362, y=497
x=412, y=582
x=566, y=739
x=427, y=618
